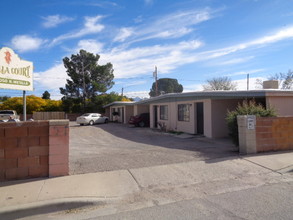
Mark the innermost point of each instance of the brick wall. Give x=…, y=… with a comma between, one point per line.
x=270, y=134
x=30, y=149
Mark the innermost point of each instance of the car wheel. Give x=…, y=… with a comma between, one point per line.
x=141, y=124
x=91, y=123
x=81, y=124
x=106, y=121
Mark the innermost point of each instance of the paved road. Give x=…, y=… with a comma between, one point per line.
x=265, y=202
x=107, y=147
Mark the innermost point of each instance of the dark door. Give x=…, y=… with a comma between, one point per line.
x=155, y=116
x=199, y=117
x=123, y=115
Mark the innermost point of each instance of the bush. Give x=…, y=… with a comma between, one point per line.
x=246, y=108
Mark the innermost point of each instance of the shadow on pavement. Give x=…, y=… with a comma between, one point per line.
x=45, y=209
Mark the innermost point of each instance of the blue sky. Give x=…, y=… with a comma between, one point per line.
x=190, y=40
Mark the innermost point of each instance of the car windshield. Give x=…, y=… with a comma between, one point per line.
x=86, y=114
x=6, y=112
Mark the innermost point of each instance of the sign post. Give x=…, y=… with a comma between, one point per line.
x=24, y=106
x=15, y=73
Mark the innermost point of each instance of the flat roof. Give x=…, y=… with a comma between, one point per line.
x=117, y=103
x=228, y=94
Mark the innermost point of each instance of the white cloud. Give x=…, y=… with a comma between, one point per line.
x=24, y=43
x=133, y=83
x=52, y=79
x=136, y=83
x=103, y=4
x=242, y=83
x=141, y=60
x=235, y=61
x=148, y=2
x=138, y=19
x=280, y=35
x=123, y=34
x=90, y=45
x=91, y=26
x=167, y=26
x=140, y=94
x=245, y=72
x=193, y=87
x=173, y=33
x=54, y=20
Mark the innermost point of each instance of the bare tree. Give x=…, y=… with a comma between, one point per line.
x=285, y=79
x=220, y=83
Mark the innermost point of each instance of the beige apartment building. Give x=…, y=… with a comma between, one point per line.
x=200, y=113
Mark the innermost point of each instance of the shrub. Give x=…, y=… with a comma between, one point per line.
x=246, y=108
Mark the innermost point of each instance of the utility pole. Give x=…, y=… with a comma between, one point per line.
x=155, y=75
x=248, y=81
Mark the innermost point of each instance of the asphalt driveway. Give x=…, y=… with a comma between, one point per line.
x=112, y=146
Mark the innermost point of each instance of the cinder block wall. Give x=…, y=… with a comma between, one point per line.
x=273, y=134
x=270, y=134
x=58, y=148
x=28, y=149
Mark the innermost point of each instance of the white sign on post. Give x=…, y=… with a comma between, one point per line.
x=14, y=72
x=251, y=122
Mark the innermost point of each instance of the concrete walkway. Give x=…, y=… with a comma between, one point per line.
x=204, y=177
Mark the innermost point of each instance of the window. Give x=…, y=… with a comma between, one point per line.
x=183, y=112
x=164, y=112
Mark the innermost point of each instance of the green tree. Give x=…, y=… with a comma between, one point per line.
x=87, y=78
x=46, y=95
x=166, y=85
x=220, y=83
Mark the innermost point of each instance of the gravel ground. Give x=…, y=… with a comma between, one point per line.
x=112, y=146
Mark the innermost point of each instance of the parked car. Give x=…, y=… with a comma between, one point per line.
x=142, y=120
x=6, y=115
x=91, y=119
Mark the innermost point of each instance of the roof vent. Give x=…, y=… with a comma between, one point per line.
x=271, y=84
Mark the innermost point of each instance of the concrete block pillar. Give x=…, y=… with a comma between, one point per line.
x=247, y=134
x=58, y=148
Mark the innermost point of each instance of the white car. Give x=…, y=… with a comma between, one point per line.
x=91, y=119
